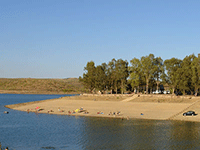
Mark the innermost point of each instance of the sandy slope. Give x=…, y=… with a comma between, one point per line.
x=128, y=109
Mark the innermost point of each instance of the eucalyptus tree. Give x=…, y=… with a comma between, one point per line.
x=136, y=75
x=121, y=68
x=101, y=77
x=158, y=70
x=111, y=74
x=89, y=77
x=172, y=67
x=185, y=73
x=148, y=67
x=117, y=74
x=105, y=69
x=196, y=74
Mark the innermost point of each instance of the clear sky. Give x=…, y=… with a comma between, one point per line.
x=56, y=38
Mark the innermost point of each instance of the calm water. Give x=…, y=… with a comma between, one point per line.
x=23, y=131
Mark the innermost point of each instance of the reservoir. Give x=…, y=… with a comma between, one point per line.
x=31, y=131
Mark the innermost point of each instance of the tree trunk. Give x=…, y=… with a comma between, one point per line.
x=112, y=87
x=196, y=90
x=157, y=85
x=122, y=88
x=173, y=90
x=147, y=86
x=183, y=92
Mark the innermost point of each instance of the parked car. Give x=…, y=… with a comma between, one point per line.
x=189, y=113
x=157, y=92
x=166, y=92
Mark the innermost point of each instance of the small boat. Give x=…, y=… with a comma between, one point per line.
x=6, y=112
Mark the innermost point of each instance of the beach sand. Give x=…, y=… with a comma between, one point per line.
x=131, y=106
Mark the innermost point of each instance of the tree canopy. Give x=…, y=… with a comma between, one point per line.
x=146, y=74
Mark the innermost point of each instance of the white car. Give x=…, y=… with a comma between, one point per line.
x=157, y=92
x=166, y=92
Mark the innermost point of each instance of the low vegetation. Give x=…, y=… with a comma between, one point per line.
x=40, y=86
x=105, y=97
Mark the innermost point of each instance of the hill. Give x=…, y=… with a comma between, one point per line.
x=40, y=86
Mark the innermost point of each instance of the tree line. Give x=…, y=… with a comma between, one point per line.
x=146, y=74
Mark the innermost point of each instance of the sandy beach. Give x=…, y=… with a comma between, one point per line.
x=126, y=107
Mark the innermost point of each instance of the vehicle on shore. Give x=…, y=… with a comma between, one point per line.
x=189, y=113
x=166, y=92
x=157, y=92
x=161, y=92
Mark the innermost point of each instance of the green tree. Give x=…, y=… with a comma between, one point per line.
x=196, y=74
x=185, y=74
x=89, y=76
x=172, y=67
x=101, y=77
x=122, y=73
x=136, y=76
x=111, y=75
x=147, y=65
x=158, y=70
x=117, y=74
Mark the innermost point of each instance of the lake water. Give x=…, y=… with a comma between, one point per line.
x=30, y=131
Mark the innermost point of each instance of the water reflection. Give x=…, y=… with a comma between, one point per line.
x=138, y=134
x=30, y=131
x=185, y=135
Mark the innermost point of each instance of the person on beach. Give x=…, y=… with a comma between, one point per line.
x=6, y=148
x=118, y=113
x=86, y=112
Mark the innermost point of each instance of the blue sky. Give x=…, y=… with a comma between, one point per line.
x=56, y=38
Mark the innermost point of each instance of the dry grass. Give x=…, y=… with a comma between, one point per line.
x=99, y=98
x=40, y=86
x=141, y=98
x=165, y=99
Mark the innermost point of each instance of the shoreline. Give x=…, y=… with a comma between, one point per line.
x=130, y=107
x=36, y=93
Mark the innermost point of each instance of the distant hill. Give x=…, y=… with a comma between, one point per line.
x=40, y=86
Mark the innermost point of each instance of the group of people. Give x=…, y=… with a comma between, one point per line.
x=60, y=110
x=50, y=111
x=73, y=112
x=115, y=113
x=100, y=112
x=80, y=110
